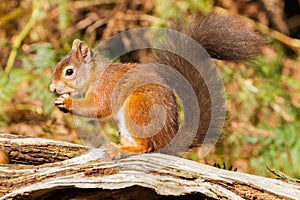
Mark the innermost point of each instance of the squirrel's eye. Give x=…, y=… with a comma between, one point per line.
x=69, y=72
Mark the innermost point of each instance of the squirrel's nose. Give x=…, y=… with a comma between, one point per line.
x=52, y=88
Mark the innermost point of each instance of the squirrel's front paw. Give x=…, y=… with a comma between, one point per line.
x=64, y=102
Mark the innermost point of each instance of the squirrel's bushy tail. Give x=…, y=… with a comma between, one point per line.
x=223, y=37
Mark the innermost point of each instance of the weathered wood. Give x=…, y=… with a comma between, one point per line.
x=36, y=151
x=146, y=176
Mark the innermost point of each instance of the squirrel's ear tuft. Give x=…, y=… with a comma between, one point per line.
x=82, y=50
x=75, y=44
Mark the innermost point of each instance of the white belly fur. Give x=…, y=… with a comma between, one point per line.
x=120, y=119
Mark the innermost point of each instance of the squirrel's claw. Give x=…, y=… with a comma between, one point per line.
x=62, y=102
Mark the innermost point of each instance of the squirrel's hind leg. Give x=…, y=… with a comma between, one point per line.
x=135, y=149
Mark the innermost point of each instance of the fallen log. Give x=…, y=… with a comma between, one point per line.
x=47, y=169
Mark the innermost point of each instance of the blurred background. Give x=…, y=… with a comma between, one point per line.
x=263, y=119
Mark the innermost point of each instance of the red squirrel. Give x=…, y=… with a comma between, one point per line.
x=85, y=73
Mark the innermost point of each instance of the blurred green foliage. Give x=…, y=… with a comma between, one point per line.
x=174, y=8
x=64, y=15
x=34, y=73
x=266, y=106
x=38, y=78
x=36, y=66
x=282, y=151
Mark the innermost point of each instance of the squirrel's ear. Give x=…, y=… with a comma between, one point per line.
x=82, y=50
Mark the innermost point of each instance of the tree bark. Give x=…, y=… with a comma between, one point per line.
x=47, y=169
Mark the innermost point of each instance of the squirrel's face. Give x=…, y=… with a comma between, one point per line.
x=71, y=75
